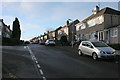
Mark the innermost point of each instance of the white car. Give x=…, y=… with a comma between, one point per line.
x=96, y=49
x=50, y=42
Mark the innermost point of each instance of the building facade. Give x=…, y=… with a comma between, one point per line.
x=63, y=31
x=51, y=35
x=102, y=25
x=57, y=34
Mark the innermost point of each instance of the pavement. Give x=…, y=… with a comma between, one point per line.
x=17, y=63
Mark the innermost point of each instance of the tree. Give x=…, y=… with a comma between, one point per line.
x=16, y=33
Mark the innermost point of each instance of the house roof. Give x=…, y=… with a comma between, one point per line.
x=75, y=22
x=58, y=28
x=106, y=10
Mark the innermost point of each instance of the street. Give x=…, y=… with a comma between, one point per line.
x=39, y=61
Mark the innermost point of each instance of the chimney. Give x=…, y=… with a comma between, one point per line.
x=67, y=22
x=96, y=9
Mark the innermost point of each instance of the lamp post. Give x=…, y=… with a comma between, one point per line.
x=72, y=31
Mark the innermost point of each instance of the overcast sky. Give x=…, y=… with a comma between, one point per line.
x=38, y=17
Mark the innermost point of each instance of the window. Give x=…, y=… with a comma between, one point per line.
x=91, y=23
x=100, y=20
x=92, y=35
x=114, y=32
x=99, y=44
x=7, y=35
x=59, y=32
x=65, y=31
x=78, y=27
x=82, y=26
x=82, y=37
x=84, y=43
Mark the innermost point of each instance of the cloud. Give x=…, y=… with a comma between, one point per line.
x=30, y=30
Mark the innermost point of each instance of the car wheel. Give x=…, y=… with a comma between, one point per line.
x=80, y=53
x=95, y=57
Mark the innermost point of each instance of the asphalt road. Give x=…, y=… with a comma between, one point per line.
x=46, y=62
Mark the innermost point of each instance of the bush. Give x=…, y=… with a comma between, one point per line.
x=115, y=46
x=27, y=42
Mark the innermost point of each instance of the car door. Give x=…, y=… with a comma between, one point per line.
x=83, y=47
x=89, y=48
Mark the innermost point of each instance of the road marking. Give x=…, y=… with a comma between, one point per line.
x=41, y=71
x=35, y=59
x=37, y=64
x=44, y=78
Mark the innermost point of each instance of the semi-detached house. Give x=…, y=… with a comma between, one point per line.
x=102, y=25
x=5, y=31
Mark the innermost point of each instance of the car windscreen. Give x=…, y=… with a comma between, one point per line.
x=99, y=44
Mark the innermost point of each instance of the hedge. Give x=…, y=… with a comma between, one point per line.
x=115, y=46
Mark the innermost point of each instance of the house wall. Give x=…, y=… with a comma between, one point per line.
x=111, y=20
x=51, y=35
x=88, y=30
x=1, y=25
x=115, y=39
x=119, y=34
x=62, y=32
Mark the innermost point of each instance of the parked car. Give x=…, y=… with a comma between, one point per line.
x=96, y=49
x=41, y=42
x=35, y=42
x=50, y=42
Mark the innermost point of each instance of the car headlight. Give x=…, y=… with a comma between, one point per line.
x=102, y=52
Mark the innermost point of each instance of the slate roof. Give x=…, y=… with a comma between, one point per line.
x=106, y=10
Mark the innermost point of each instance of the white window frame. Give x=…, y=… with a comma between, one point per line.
x=100, y=35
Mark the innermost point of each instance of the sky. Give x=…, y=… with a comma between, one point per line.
x=38, y=17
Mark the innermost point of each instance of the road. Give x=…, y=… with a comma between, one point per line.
x=46, y=62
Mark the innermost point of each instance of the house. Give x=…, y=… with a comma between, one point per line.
x=41, y=37
x=51, y=35
x=102, y=25
x=57, y=34
x=63, y=31
x=5, y=30
x=34, y=40
x=45, y=36
x=68, y=30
